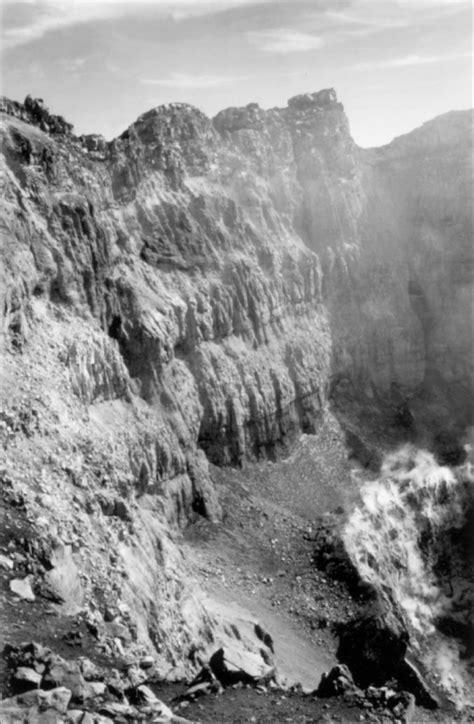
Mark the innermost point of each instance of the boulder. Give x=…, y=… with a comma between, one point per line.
x=337, y=681
x=144, y=695
x=147, y=698
x=201, y=689
x=403, y=706
x=115, y=507
x=231, y=666
x=204, y=683
x=94, y=689
x=136, y=676
x=115, y=710
x=66, y=674
x=25, y=679
x=117, y=630
x=89, y=670
x=6, y=563
x=22, y=588
x=147, y=662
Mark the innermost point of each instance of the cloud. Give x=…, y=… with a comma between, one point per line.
x=408, y=60
x=183, y=80
x=431, y=3
x=112, y=67
x=368, y=17
x=50, y=15
x=25, y=21
x=284, y=40
x=73, y=65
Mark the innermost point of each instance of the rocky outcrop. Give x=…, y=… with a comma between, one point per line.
x=34, y=111
x=48, y=686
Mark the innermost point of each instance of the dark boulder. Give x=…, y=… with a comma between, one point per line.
x=403, y=706
x=24, y=679
x=337, y=681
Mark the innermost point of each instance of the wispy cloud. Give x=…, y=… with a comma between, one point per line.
x=284, y=40
x=112, y=67
x=51, y=15
x=73, y=65
x=364, y=17
x=408, y=60
x=46, y=16
x=368, y=17
x=430, y=3
x=183, y=80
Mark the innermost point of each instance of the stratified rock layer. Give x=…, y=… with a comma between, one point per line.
x=174, y=246
x=207, y=249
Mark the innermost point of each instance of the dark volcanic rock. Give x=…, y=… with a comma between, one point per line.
x=374, y=645
x=337, y=681
x=330, y=554
x=411, y=679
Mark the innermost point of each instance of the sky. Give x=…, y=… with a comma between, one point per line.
x=101, y=63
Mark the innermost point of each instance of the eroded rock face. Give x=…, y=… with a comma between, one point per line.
x=173, y=245
x=197, y=286
x=207, y=249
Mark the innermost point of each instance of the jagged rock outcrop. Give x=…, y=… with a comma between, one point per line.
x=196, y=288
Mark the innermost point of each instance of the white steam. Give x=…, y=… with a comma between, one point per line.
x=396, y=537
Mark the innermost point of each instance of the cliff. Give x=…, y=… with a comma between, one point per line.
x=198, y=290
